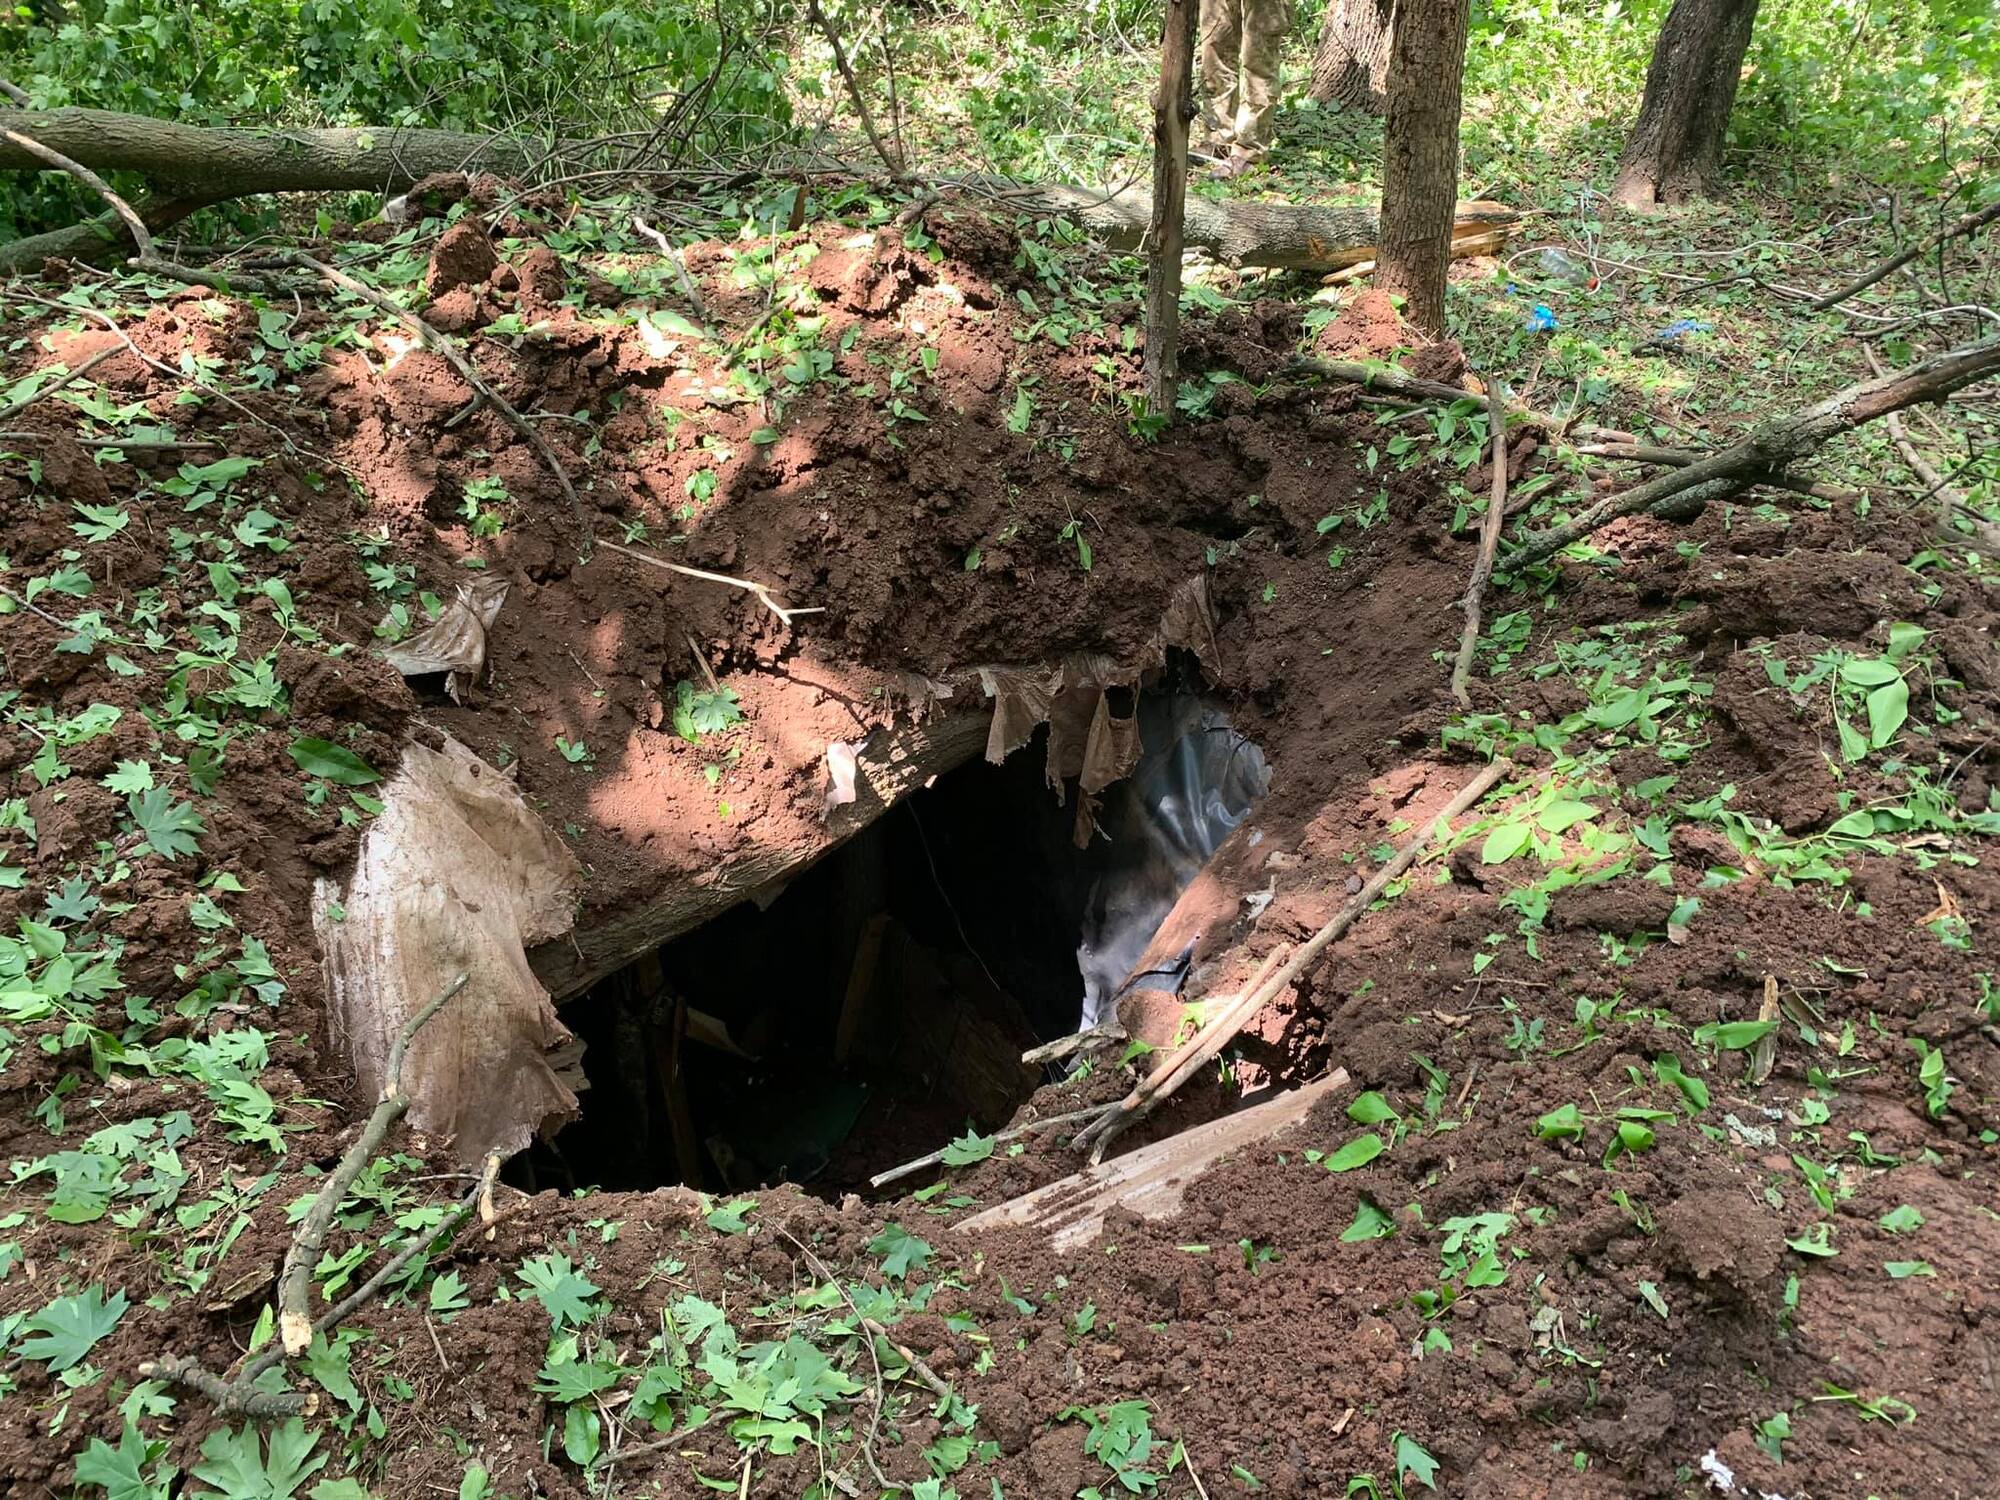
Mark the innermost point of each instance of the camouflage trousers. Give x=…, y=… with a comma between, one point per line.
x=1240, y=45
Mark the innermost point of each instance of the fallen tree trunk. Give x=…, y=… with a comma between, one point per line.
x=194, y=166
x=1286, y=236
x=1772, y=448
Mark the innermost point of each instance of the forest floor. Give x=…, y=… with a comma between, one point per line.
x=1615, y=1235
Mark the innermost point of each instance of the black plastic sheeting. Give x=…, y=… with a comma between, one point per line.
x=1196, y=780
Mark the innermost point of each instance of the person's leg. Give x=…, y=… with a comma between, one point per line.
x=1264, y=24
x=1221, y=28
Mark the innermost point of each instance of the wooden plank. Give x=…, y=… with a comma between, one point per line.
x=1151, y=1180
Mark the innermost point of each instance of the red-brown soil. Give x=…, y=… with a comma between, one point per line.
x=1297, y=1367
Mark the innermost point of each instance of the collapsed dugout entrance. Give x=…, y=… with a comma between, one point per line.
x=880, y=1003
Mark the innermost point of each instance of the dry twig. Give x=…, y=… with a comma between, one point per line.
x=295, y=1326
x=762, y=591
x=1489, y=547
x=15, y=408
x=931, y=1158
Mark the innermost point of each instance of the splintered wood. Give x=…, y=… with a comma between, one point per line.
x=1151, y=1180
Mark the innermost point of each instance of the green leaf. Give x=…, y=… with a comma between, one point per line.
x=1563, y=814
x=336, y=763
x=130, y=776
x=1565, y=1123
x=1901, y=1220
x=967, y=1149
x=1411, y=1459
x=1504, y=842
x=69, y=1327
x=731, y=1217
x=1653, y=1298
x=1868, y=671
x=901, y=1251
x=1370, y=1223
x=570, y=1381
x=1853, y=744
x=168, y=826
x=1904, y=638
x=1667, y=1068
x=1734, y=1036
x=1356, y=1153
x=1816, y=1241
x=120, y=1471
x=1902, y=1270
x=1888, y=707
x=341, y=1489
x=552, y=1281
x=232, y=1463
x=1370, y=1109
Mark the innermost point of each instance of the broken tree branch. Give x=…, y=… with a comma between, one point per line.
x=69, y=377
x=1489, y=547
x=1968, y=224
x=932, y=1158
x=295, y=1324
x=761, y=591
x=1777, y=444
x=230, y=1397
x=449, y=351
x=1680, y=458
x=1396, y=383
x=1273, y=980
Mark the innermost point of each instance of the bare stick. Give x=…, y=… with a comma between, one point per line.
x=1105, y=1035
x=1489, y=547
x=1189, y=1058
x=295, y=1324
x=15, y=408
x=142, y=445
x=932, y=1158
x=449, y=351
x=890, y=158
x=1968, y=224
x=1778, y=443
x=231, y=1397
x=762, y=591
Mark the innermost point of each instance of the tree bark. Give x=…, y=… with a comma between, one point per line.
x=1351, y=65
x=1420, y=156
x=1173, y=109
x=1675, y=149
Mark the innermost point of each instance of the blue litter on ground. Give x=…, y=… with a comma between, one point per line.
x=1541, y=320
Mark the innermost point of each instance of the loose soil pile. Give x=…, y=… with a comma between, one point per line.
x=955, y=484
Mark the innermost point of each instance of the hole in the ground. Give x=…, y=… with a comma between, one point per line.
x=883, y=999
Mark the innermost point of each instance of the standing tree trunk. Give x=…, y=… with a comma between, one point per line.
x=1420, y=156
x=1675, y=149
x=1173, y=111
x=1351, y=66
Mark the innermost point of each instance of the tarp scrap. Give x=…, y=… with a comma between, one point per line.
x=455, y=875
x=455, y=642
x=1088, y=740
